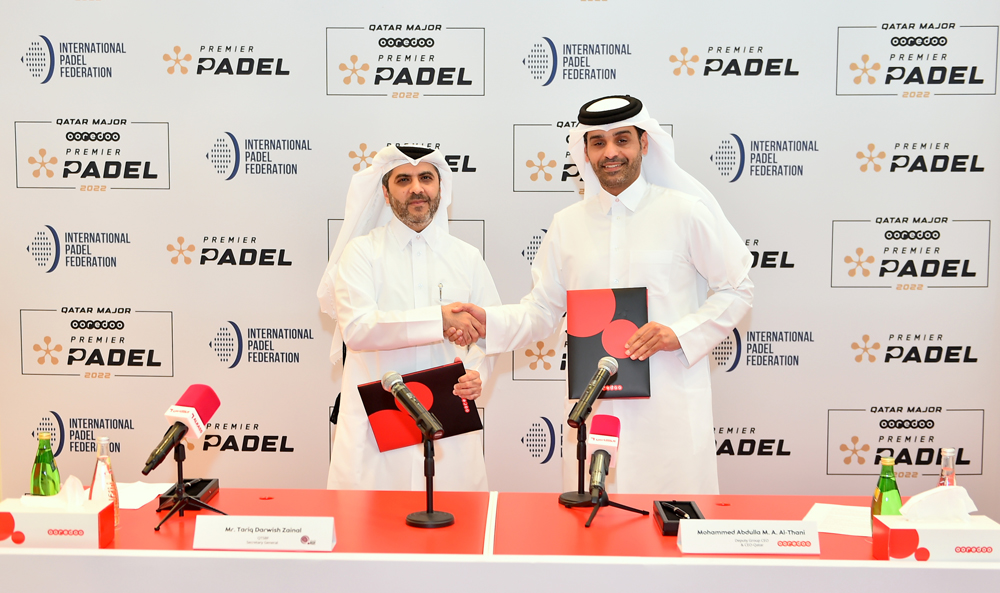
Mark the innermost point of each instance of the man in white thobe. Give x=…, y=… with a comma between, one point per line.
x=389, y=284
x=643, y=222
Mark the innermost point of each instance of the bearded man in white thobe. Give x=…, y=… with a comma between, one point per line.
x=391, y=283
x=643, y=222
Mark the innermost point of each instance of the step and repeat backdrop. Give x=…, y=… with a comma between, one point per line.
x=174, y=177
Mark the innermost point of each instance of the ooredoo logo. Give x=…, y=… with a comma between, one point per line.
x=540, y=440
x=67, y=532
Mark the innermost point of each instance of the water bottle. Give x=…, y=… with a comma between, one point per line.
x=886, y=500
x=104, y=479
x=45, y=474
x=947, y=467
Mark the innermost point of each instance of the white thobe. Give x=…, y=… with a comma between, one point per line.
x=670, y=243
x=390, y=286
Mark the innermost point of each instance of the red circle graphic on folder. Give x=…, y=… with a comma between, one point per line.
x=615, y=335
x=596, y=312
x=395, y=429
x=421, y=392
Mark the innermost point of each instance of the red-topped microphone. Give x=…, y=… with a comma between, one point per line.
x=190, y=414
x=602, y=447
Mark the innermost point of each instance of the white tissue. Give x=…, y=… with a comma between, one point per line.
x=71, y=495
x=944, y=503
x=73, y=489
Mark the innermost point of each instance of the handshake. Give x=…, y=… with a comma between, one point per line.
x=464, y=323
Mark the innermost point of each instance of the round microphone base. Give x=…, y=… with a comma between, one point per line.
x=430, y=519
x=575, y=499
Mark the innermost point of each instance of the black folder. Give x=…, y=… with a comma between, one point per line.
x=598, y=324
x=392, y=426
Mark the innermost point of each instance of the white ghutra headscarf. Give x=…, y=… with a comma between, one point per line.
x=658, y=165
x=366, y=210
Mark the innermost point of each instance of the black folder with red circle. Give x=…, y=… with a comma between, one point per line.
x=598, y=323
x=393, y=427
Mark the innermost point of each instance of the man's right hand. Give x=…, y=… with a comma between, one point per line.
x=461, y=326
x=477, y=313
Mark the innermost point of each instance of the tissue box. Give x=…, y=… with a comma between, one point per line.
x=894, y=537
x=91, y=525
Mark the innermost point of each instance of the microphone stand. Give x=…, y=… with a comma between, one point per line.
x=604, y=501
x=580, y=498
x=183, y=500
x=429, y=518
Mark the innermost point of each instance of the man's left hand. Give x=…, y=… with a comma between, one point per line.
x=650, y=339
x=469, y=385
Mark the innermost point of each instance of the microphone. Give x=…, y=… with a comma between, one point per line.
x=602, y=446
x=606, y=368
x=428, y=424
x=190, y=415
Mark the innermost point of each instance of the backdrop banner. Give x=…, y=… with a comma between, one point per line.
x=173, y=181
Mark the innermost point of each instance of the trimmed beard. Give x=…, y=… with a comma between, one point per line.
x=402, y=211
x=624, y=178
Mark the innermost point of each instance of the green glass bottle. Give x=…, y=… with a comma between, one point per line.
x=45, y=474
x=886, y=500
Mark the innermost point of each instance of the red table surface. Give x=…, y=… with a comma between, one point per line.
x=536, y=524
x=365, y=521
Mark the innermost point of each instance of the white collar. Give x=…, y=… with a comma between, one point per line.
x=404, y=234
x=630, y=197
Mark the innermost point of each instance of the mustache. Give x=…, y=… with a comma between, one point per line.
x=614, y=160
